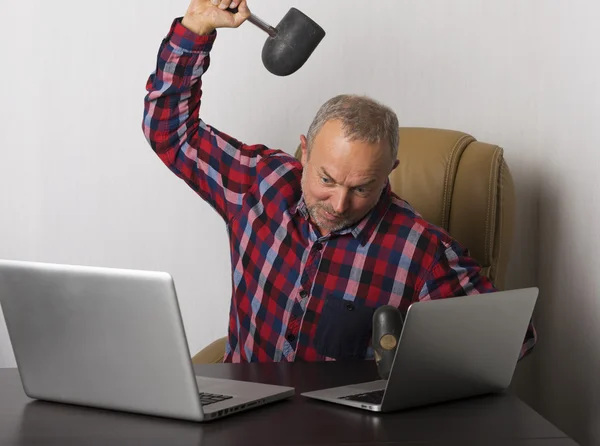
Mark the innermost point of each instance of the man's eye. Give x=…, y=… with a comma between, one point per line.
x=325, y=180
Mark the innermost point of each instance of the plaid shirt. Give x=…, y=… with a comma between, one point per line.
x=297, y=295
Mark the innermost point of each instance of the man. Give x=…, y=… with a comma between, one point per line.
x=318, y=244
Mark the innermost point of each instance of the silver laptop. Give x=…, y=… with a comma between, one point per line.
x=448, y=349
x=113, y=339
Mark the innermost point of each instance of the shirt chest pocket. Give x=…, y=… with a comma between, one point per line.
x=344, y=329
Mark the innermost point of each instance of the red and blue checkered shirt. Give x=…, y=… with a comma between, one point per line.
x=297, y=295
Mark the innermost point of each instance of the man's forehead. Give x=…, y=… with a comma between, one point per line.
x=357, y=155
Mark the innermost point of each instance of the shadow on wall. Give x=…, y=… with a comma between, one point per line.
x=567, y=361
x=7, y=357
x=522, y=271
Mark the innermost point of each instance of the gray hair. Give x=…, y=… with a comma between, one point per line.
x=362, y=118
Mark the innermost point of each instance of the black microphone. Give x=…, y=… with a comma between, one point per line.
x=387, y=326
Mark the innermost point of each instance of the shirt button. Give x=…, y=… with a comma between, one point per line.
x=349, y=306
x=303, y=294
x=291, y=337
x=318, y=246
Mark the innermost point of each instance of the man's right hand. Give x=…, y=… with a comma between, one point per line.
x=204, y=16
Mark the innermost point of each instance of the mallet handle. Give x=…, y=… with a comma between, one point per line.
x=259, y=23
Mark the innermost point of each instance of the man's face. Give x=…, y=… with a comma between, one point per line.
x=342, y=180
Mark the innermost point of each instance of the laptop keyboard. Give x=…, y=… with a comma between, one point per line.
x=375, y=397
x=210, y=398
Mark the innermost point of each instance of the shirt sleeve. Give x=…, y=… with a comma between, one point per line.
x=455, y=273
x=218, y=167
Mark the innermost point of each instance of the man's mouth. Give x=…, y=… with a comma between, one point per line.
x=330, y=216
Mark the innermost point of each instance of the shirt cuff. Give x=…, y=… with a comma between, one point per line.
x=181, y=37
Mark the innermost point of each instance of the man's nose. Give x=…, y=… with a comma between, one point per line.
x=340, y=202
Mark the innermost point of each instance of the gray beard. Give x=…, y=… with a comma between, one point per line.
x=314, y=216
x=312, y=212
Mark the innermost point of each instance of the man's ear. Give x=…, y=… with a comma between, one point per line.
x=395, y=165
x=303, y=145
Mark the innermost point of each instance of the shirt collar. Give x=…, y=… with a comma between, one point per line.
x=300, y=207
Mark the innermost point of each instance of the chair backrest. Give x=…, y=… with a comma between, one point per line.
x=454, y=182
x=463, y=186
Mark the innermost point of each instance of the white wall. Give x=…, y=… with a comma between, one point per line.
x=78, y=184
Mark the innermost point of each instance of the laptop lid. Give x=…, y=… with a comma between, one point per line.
x=458, y=347
x=103, y=337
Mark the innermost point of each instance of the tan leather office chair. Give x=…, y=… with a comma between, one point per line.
x=457, y=183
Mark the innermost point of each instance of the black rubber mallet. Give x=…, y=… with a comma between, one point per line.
x=290, y=44
x=387, y=328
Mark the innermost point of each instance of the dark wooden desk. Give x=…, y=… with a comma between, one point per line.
x=491, y=420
